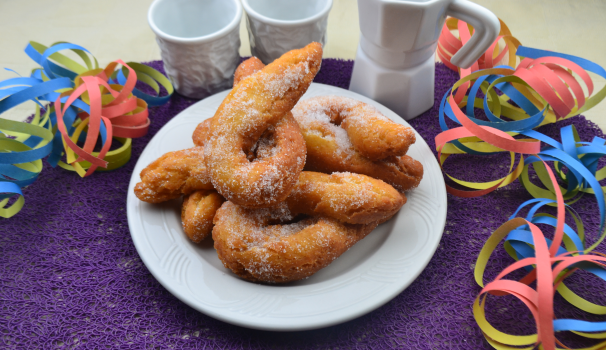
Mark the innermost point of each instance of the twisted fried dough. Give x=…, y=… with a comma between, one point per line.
x=404, y=173
x=249, y=243
x=174, y=174
x=263, y=99
x=347, y=197
x=197, y=213
x=266, y=245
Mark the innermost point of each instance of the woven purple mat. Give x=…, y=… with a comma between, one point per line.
x=70, y=276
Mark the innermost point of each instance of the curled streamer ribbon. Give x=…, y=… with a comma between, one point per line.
x=546, y=261
x=90, y=104
x=543, y=90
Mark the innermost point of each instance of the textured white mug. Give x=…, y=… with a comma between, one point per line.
x=278, y=26
x=199, y=42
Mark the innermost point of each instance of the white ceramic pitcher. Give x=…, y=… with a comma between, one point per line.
x=395, y=61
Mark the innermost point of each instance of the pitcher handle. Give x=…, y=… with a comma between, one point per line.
x=486, y=26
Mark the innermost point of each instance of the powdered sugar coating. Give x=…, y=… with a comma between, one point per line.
x=291, y=79
x=362, y=196
x=312, y=117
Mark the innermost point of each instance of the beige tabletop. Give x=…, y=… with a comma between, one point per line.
x=118, y=29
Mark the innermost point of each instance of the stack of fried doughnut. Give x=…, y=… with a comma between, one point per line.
x=272, y=222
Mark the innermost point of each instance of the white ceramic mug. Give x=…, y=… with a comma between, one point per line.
x=199, y=42
x=278, y=26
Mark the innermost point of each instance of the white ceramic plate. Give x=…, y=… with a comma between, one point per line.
x=369, y=275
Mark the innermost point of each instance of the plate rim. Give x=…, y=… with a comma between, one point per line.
x=353, y=312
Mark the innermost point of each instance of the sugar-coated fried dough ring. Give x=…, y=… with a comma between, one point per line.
x=246, y=68
x=201, y=132
x=263, y=99
x=249, y=244
x=197, y=213
x=370, y=132
x=272, y=164
x=347, y=197
x=174, y=174
x=329, y=149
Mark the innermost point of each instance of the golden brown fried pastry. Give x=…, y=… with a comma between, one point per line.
x=201, y=132
x=198, y=212
x=257, y=103
x=246, y=68
x=256, y=246
x=172, y=175
x=370, y=132
x=347, y=197
x=404, y=173
x=277, y=244
x=329, y=149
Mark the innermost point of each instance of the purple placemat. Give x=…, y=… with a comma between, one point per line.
x=70, y=276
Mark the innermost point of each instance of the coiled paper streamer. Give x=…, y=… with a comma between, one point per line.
x=89, y=104
x=547, y=262
x=543, y=89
